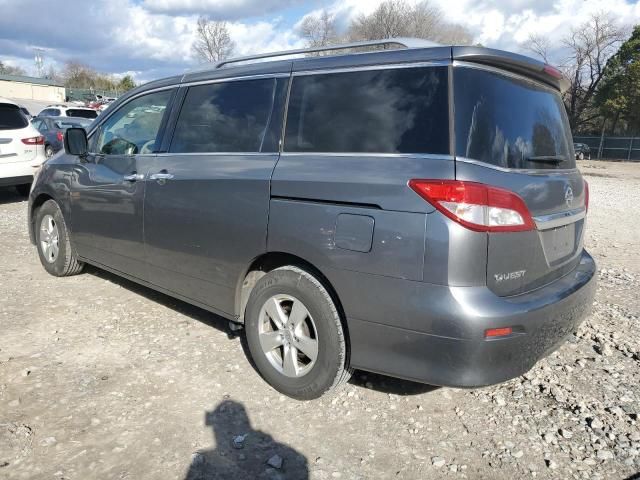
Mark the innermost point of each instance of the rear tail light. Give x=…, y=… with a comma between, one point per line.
x=586, y=195
x=59, y=136
x=476, y=206
x=39, y=140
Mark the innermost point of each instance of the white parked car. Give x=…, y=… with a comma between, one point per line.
x=68, y=111
x=21, y=147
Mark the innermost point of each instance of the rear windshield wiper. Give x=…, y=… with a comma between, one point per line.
x=547, y=158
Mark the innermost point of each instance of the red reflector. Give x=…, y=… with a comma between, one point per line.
x=586, y=195
x=59, y=136
x=498, y=332
x=476, y=206
x=33, y=140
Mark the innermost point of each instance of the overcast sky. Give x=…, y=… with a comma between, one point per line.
x=152, y=38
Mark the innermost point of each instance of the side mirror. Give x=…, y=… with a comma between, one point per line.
x=75, y=141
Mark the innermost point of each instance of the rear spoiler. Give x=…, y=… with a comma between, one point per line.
x=512, y=62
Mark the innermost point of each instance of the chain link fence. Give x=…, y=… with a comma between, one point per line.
x=612, y=148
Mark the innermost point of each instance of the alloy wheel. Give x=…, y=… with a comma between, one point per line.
x=288, y=335
x=49, y=238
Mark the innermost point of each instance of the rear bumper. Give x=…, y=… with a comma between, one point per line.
x=16, y=173
x=543, y=319
x=18, y=180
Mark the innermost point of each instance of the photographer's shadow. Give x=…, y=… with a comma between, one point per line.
x=244, y=453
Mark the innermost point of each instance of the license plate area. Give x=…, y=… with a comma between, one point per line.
x=559, y=243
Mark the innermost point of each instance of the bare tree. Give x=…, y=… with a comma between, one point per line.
x=10, y=70
x=582, y=58
x=390, y=19
x=539, y=45
x=319, y=30
x=213, y=42
x=452, y=34
x=76, y=74
x=589, y=47
x=396, y=18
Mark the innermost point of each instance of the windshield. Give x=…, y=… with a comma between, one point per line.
x=77, y=112
x=510, y=122
x=11, y=118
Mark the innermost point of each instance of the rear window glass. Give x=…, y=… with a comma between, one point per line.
x=11, y=118
x=224, y=117
x=64, y=124
x=510, y=122
x=375, y=111
x=76, y=112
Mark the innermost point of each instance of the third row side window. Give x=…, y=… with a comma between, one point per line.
x=402, y=110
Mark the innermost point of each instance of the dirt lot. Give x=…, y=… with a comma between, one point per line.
x=100, y=378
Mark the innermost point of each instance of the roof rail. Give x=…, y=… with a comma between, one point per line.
x=402, y=41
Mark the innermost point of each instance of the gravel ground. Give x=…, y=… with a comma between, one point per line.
x=101, y=378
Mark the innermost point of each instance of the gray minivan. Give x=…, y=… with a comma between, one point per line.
x=415, y=212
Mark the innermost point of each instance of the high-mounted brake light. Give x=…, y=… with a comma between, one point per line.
x=586, y=195
x=498, y=332
x=476, y=206
x=552, y=71
x=33, y=140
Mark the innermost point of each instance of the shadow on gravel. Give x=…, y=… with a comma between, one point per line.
x=179, y=306
x=10, y=195
x=242, y=452
x=396, y=386
x=635, y=476
x=371, y=381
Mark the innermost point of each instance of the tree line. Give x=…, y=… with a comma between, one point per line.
x=75, y=74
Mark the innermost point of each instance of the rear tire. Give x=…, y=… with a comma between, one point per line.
x=52, y=241
x=48, y=151
x=581, y=156
x=24, y=189
x=290, y=308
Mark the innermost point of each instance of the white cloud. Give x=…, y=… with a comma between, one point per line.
x=220, y=9
x=262, y=37
x=507, y=24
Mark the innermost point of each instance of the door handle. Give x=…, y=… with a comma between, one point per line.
x=161, y=176
x=134, y=177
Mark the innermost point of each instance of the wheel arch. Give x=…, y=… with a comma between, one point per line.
x=268, y=261
x=37, y=202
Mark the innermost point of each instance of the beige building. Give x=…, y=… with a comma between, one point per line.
x=31, y=88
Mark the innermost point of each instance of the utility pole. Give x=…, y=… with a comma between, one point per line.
x=39, y=60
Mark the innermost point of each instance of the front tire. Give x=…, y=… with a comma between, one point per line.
x=295, y=334
x=581, y=156
x=52, y=240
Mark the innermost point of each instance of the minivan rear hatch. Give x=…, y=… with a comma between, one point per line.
x=511, y=131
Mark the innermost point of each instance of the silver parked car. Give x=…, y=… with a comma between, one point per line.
x=415, y=212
